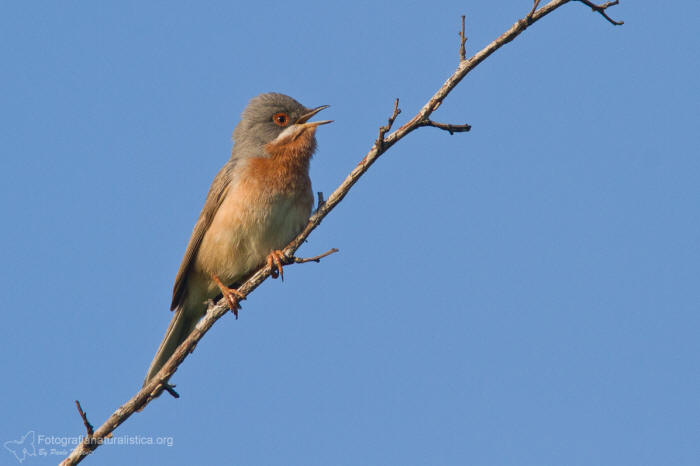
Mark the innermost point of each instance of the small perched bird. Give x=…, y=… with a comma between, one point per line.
x=258, y=202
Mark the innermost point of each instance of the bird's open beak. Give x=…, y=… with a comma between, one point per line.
x=303, y=121
x=293, y=131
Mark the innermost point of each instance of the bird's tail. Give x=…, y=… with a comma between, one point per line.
x=179, y=329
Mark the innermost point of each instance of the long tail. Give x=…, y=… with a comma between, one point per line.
x=179, y=329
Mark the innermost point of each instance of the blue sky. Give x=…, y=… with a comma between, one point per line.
x=526, y=293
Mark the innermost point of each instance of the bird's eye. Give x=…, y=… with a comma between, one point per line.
x=280, y=119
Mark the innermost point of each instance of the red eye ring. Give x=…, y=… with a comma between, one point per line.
x=280, y=119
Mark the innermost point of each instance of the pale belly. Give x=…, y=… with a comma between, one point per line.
x=245, y=230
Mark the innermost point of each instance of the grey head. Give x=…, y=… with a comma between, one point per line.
x=265, y=118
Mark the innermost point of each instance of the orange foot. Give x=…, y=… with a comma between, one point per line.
x=275, y=260
x=232, y=295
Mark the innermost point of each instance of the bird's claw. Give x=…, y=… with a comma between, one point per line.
x=275, y=261
x=232, y=295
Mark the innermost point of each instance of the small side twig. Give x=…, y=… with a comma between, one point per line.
x=171, y=389
x=447, y=126
x=601, y=9
x=384, y=129
x=88, y=427
x=462, y=42
x=535, y=4
x=321, y=201
x=301, y=260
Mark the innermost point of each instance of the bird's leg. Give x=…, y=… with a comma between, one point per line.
x=275, y=260
x=232, y=295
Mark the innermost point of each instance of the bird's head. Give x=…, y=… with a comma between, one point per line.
x=272, y=121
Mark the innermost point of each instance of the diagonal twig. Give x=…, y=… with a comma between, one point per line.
x=384, y=129
x=462, y=42
x=450, y=128
x=171, y=390
x=383, y=142
x=601, y=9
x=303, y=260
x=535, y=4
x=321, y=201
x=88, y=427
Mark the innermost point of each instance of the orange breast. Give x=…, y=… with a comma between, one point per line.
x=267, y=205
x=287, y=168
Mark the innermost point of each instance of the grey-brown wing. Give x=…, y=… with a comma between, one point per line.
x=217, y=193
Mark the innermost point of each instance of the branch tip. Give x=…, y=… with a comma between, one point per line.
x=462, y=42
x=535, y=4
x=450, y=128
x=171, y=389
x=384, y=129
x=88, y=427
x=601, y=9
x=321, y=201
x=300, y=260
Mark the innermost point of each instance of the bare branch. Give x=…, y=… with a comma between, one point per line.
x=462, y=42
x=171, y=390
x=299, y=260
x=320, y=200
x=447, y=127
x=383, y=142
x=88, y=427
x=383, y=129
x=601, y=9
x=535, y=4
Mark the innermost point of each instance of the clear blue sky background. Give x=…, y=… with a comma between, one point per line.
x=524, y=294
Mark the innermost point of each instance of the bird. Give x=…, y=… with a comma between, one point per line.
x=257, y=203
